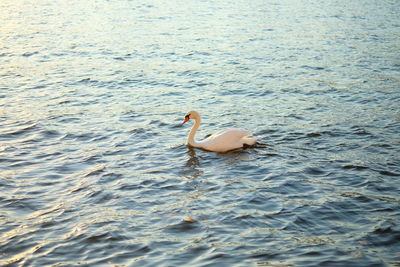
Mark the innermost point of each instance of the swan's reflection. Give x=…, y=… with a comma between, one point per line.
x=193, y=161
x=192, y=165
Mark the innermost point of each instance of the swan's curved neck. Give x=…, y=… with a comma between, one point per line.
x=196, y=125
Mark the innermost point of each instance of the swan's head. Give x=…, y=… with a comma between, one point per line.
x=191, y=115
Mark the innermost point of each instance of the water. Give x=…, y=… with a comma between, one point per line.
x=93, y=163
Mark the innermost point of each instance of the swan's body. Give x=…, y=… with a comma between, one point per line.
x=222, y=141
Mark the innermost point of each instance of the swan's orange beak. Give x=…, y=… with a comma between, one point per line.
x=185, y=120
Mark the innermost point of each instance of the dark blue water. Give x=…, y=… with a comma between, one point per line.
x=94, y=170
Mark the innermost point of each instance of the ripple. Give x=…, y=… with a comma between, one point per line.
x=315, y=171
x=19, y=131
x=356, y=167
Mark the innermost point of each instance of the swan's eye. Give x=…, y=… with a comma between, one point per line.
x=187, y=116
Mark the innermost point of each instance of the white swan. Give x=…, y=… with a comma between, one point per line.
x=222, y=141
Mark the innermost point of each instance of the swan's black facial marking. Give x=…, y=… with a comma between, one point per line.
x=187, y=116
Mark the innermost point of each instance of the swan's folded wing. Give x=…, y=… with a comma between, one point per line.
x=232, y=133
x=226, y=140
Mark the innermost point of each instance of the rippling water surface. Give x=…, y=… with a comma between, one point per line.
x=94, y=169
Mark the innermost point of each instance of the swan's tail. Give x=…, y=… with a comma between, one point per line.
x=250, y=140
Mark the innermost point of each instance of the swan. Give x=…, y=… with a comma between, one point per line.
x=222, y=141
